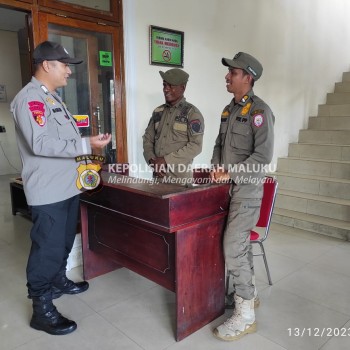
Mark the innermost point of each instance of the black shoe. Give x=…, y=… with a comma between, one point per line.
x=56, y=293
x=69, y=287
x=46, y=317
x=53, y=323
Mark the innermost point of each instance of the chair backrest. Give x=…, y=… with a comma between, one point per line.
x=268, y=202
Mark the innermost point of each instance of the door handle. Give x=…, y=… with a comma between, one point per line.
x=97, y=114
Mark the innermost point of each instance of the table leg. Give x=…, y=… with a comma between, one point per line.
x=200, y=276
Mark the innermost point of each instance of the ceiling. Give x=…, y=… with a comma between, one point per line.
x=11, y=20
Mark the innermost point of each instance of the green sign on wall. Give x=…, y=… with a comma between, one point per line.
x=106, y=58
x=166, y=47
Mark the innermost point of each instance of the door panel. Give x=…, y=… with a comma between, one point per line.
x=103, y=9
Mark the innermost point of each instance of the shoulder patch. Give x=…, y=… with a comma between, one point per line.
x=37, y=109
x=258, y=120
x=225, y=114
x=196, y=126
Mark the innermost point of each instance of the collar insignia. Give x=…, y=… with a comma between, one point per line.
x=244, y=98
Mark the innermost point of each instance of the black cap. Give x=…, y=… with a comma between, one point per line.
x=50, y=51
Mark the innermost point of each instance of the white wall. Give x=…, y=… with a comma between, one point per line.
x=303, y=46
x=10, y=76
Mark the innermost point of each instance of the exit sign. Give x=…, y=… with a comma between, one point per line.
x=106, y=58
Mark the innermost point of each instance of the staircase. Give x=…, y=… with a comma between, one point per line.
x=314, y=180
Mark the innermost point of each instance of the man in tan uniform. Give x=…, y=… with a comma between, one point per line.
x=242, y=151
x=174, y=134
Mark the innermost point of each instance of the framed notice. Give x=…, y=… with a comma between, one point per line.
x=166, y=47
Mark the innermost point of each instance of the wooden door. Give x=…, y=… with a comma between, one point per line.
x=95, y=89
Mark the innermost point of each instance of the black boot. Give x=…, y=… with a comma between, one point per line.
x=46, y=317
x=63, y=285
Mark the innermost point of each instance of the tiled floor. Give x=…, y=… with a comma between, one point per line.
x=123, y=311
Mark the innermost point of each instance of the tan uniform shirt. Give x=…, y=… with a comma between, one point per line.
x=175, y=133
x=245, y=143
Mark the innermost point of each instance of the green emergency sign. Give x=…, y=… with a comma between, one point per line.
x=105, y=58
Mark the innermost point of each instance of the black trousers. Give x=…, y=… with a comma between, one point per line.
x=53, y=233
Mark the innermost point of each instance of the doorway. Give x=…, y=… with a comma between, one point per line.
x=93, y=94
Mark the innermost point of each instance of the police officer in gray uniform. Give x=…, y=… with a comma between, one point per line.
x=174, y=134
x=48, y=141
x=242, y=151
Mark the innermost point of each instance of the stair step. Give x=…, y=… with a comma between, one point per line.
x=337, y=110
x=314, y=223
x=342, y=87
x=312, y=184
x=346, y=77
x=334, y=169
x=319, y=151
x=338, y=98
x=329, y=207
x=330, y=123
x=325, y=136
x=314, y=180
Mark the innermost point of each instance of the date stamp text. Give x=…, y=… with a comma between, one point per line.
x=318, y=332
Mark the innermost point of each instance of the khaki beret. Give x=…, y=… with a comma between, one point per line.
x=175, y=76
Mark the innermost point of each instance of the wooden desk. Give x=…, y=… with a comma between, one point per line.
x=170, y=234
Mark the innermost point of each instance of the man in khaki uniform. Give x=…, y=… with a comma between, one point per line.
x=174, y=134
x=243, y=149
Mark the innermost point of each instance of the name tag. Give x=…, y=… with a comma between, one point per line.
x=180, y=126
x=242, y=120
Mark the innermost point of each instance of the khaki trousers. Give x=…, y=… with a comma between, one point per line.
x=242, y=218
